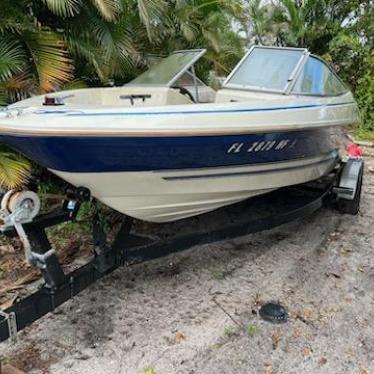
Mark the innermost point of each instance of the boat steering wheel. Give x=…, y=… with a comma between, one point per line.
x=185, y=92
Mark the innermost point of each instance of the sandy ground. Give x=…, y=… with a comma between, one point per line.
x=197, y=311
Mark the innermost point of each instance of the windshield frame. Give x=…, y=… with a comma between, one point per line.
x=186, y=68
x=288, y=86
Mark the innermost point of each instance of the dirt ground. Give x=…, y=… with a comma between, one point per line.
x=197, y=311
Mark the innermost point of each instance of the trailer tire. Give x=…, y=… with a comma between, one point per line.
x=352, y=206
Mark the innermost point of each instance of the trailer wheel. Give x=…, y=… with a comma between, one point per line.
x=352, y=206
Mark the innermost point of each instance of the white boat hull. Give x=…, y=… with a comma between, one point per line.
x=171, y=162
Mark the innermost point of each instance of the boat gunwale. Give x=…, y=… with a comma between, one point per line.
x=261, y=129
x=16, y=130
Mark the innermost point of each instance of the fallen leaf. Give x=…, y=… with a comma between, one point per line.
x=7, y=304
x=296, y=332
x=306, y=351
x=322, y=361
x=307, y=316
x=6, y=249
x=336, y=275
x=258, y=300
x=9, y=288
x=28, y=278
x=275, y=338
x=346, y=251
x=9, y=369
x=179, y=337
x=268, y=368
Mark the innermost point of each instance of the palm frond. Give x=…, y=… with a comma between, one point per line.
x=294, y=14
x=108, y=9
x=86, y=49
x=3, y=98
x=52, y=63
x=151, y=13
x=189, y=30
x=115, y=40
x=14, y=170
x=83, y=48
x=12, y=58
x=295, y=18
x=64, y=8
x=14, y=16
x=18, y=87
x=73, y=85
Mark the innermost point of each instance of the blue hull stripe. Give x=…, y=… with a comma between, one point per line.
x=120, y=153
x=73, y=113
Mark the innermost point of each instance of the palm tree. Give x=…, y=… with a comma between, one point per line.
x=103, y=40
x=255, y=21
x=311, y=23
x=205, y=24
x=33, y=59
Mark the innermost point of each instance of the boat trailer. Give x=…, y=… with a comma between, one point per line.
x=20, y=217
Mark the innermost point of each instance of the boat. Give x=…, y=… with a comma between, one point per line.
x=166, y=146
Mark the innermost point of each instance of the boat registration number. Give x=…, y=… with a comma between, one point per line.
x=262, y=146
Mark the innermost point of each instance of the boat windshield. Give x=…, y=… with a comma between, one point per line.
x=318, y=79
x=169, y=69
x=266, y=69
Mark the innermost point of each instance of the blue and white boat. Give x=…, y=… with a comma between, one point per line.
x=166, y=146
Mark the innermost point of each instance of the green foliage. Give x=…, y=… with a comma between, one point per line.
x=354, y=61
x=231, y=331
x=3, y=98
x=218, y=274
x=11, y=58
x=365, y=98
x=14, y=169
x=149, y=371
x=105, y=41
x=251, y=329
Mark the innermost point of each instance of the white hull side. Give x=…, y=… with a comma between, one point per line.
x=170, y=195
